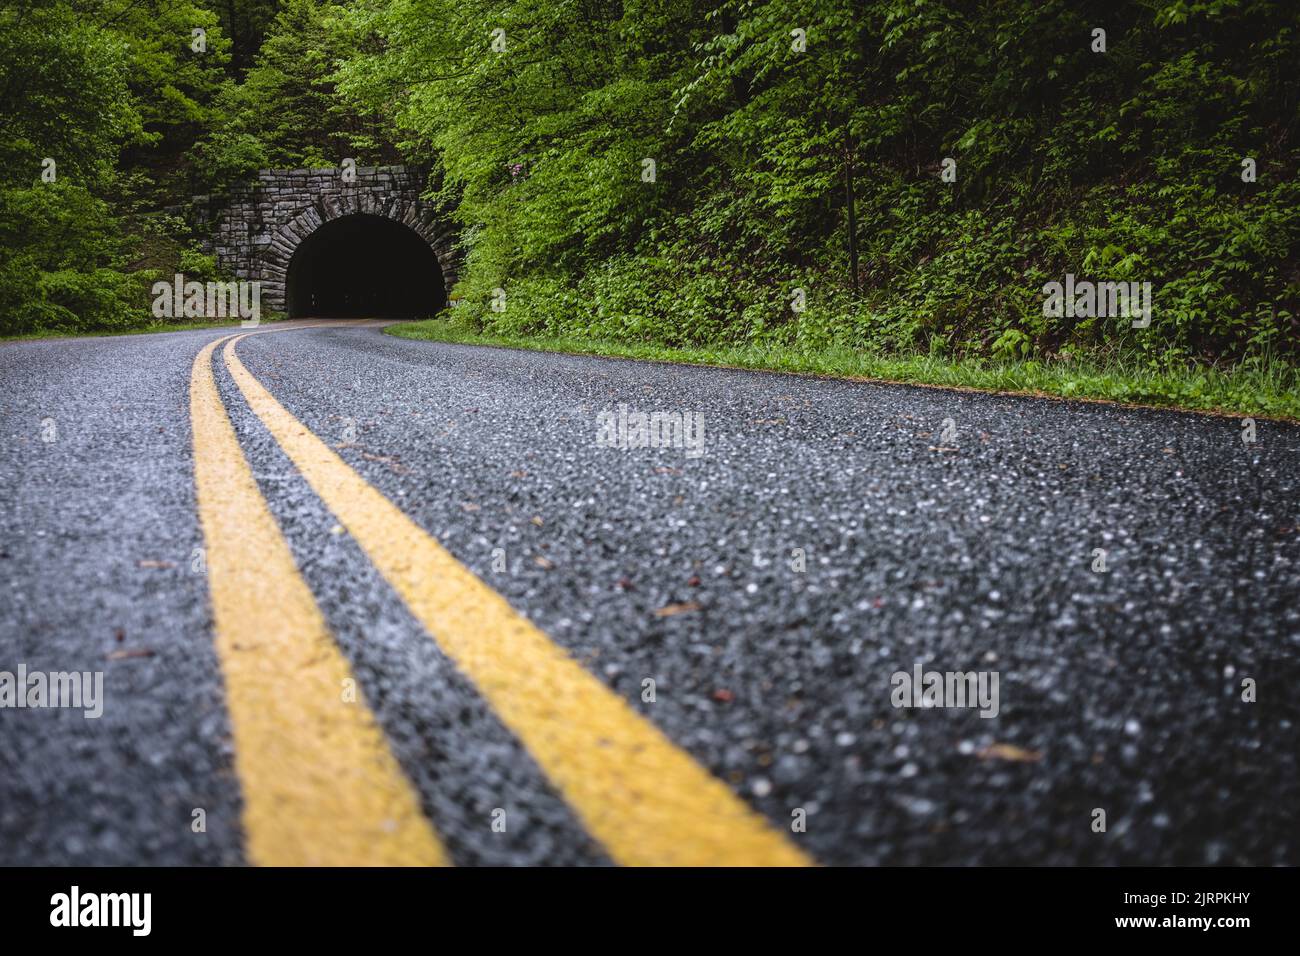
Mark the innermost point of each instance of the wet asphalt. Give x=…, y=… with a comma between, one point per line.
x=829, y=536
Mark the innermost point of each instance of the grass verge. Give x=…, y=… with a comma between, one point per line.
x=1267, y=389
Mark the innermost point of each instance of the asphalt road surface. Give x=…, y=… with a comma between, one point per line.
x=358, y=599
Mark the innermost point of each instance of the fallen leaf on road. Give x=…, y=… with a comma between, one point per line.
x=537, y=520
x=542, y=562
x=1009, y=752
x=723, y=696
x=391, y=462
x=682, y=608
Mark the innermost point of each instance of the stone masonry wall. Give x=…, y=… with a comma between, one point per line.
x=254, y=229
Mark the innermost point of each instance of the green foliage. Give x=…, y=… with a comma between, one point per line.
x=1262, y=386
x=285, y=113
x=63, y=96
x=232, y=157
x=1114, y=166
x=118, y=97
x=171, y=84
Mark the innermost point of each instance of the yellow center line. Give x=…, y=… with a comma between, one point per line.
x=319, y=784
x=639, y=794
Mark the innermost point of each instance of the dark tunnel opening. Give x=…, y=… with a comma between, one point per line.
x=364, y=266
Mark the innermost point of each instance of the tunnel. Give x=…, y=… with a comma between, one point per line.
x=364, y=266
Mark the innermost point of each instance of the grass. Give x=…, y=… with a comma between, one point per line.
x=1266, y=389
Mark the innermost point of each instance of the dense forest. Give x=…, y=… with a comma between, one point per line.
x=888, y=175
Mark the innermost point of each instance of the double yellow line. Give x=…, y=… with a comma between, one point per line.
x=320, y=784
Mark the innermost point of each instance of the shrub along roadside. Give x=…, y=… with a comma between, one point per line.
x=1259, y=387
x=920, y=170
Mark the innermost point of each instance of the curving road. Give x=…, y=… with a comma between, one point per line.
x=357, y=598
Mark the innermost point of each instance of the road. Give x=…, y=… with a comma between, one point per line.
x=360, y=599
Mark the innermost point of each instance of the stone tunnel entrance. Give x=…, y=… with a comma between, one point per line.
x=364, y=266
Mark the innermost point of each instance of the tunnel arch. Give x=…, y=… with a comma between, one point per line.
x=417, y=218
x=364, y=266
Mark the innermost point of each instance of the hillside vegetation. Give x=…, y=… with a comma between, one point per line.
x=893, y=178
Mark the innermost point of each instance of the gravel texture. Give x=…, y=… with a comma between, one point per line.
x=971, y=551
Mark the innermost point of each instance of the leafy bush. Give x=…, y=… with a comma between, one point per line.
x=1113, y=166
